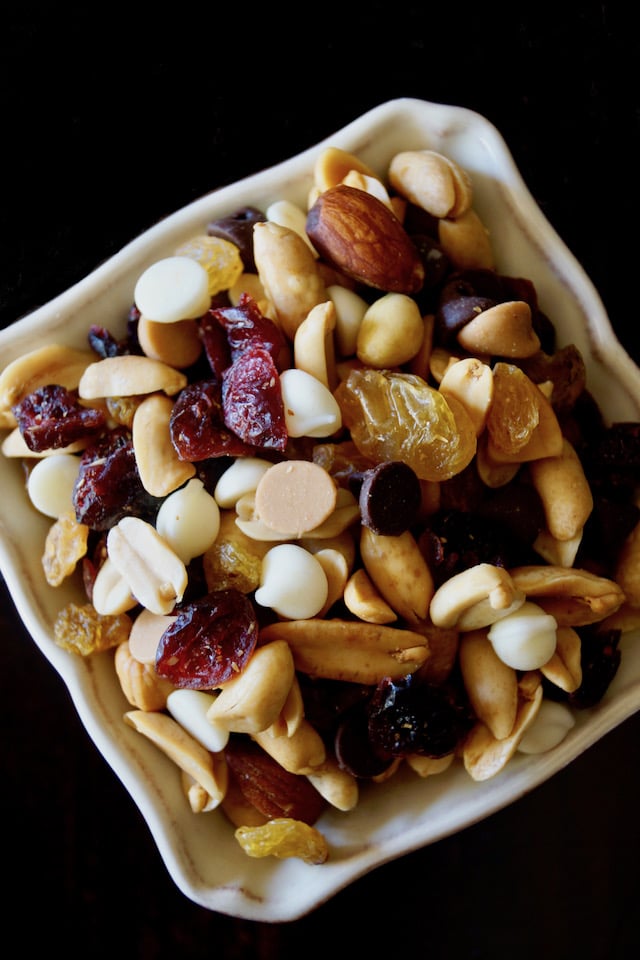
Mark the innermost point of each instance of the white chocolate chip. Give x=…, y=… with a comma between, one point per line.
x=51, y=482
x=549, y=728
x=525, y=639
x=292, y=582
x=189, y=520
x=240, y=478
x=189, y=708
x=310, y=409
x=172, y=289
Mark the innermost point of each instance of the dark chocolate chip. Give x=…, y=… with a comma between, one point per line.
x=390, y=497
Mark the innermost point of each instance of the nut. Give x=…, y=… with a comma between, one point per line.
x=364, y=600
x=474, y=598
x=254, y=699
x=156, y=576
x=313, y=344
x=491, y=685
x=466, y=242
x=573, y=597
x=483, y=754
x=53, y=363
x=301, y=752
x=358, y=235
x=140, y=683
x=207, y=769
x=350, y=650
x=288, y=273
x=431, y=181
x=564, y=491
x=129, y=376
x=337, y=786
x=399, y=571
x=161, y=470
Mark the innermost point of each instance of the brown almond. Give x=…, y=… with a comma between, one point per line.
x=359, y=235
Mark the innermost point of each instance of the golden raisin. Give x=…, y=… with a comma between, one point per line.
x=398, y=416
x=284, y=837
x=220, y=258
x=83, y=631
x=66, y=543
x=515, y=410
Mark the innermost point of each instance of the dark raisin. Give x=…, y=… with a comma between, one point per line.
x=411, y=715
x=252, y=400
x=354, y=750
x=51, y=417
x=209, y=642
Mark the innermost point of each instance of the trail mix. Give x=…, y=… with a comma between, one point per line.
x=338, y=501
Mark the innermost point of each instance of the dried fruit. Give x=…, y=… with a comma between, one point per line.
x=284, y=837
x=209, y=642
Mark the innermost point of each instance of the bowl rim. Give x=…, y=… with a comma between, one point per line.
x=255, y=898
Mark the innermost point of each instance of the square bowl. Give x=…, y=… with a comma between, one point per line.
x=406, y=812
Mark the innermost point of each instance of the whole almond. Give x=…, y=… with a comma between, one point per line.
x=359, y=235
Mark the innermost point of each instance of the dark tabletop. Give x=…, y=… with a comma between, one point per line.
x=106, y=128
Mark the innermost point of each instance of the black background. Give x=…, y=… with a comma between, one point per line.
x=112, y=119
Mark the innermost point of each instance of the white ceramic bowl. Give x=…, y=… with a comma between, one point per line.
x=407, y=812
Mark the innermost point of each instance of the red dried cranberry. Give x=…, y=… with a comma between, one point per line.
x=245, y=326
x=51, y=418
x=108, y=486
x=197, y=428
x=252, y=400
x=209, y=642
x=215, y=343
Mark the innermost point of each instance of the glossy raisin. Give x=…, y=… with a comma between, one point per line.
x=354, y=749
x=411, y=715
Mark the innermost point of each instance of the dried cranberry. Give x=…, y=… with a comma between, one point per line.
x=215, y=343
x=252, y=400
x=196, y=425
x=108, y=486
x=246, y=326
x=411, y=715
x=209, y=642
x=51, y=417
